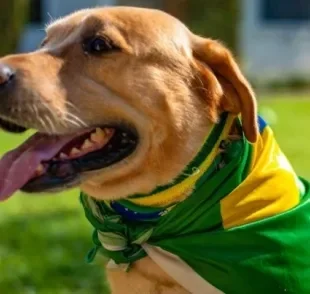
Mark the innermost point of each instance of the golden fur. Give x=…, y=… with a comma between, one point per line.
x=170, y=84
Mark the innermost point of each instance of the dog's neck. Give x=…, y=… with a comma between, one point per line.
x=162, y=199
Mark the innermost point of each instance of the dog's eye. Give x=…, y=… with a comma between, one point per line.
x=98, y=45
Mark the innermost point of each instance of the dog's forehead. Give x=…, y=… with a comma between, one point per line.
x=138, y=18
x=146, y=25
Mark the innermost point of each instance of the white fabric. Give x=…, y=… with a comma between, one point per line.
x=180, y=271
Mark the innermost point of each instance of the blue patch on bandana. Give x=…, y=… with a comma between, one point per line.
x=262, y=124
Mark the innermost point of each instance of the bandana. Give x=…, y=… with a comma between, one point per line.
x=243, y=229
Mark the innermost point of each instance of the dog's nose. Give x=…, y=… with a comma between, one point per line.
x=6, y=74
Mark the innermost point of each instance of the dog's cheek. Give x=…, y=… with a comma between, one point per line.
x=159, y=135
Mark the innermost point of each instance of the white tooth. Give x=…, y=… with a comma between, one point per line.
x=74, y=151
x=98, y=136
x=93, y=137
x=100, y=131
x=63, y=156
x=87, y=144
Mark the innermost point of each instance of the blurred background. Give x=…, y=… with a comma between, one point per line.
x=43, y=241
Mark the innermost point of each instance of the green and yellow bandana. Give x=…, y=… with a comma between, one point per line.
x=245, y=228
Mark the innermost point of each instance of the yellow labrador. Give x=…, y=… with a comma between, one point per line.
x=122, y=99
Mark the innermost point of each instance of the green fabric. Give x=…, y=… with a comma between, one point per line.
x=270, y=254
x=132, y=231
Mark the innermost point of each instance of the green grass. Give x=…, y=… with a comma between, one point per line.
x=43, y=243
x=44, y=239
x=292, y=129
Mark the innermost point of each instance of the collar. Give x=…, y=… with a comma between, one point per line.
x=148, y=207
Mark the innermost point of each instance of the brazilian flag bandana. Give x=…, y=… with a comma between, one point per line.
x=245, y=228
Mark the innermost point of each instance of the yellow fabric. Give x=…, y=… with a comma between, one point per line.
x=270, y=188
x=176, y=192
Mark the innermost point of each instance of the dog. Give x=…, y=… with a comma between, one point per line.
x=184, y=184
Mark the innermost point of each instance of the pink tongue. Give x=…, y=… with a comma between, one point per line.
x=18, y=166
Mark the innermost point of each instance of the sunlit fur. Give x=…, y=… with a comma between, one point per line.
x=168, y=83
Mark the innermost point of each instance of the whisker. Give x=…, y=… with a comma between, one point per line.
x=47, y=120
x=36, y=111
x=50, y=16
x=42, y=122
x=53, y=115
x=51, y=124
x=72, y=122
x=49, y=117
x=71, y=105
x=70, y=117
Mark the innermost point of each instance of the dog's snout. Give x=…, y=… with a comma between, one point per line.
x=6, y=74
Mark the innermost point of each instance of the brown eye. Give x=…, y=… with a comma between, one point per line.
x=99, y=45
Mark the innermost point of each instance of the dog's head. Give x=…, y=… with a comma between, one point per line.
x=122, y=99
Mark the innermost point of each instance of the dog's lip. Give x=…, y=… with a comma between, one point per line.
x=11, y=127
x=22, y=162
x=68, y=173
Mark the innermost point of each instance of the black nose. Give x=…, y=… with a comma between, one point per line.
x=6, y=74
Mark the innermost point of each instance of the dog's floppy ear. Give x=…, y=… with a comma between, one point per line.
x=211, y=55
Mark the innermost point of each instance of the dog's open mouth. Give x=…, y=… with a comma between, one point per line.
x=48, y=162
